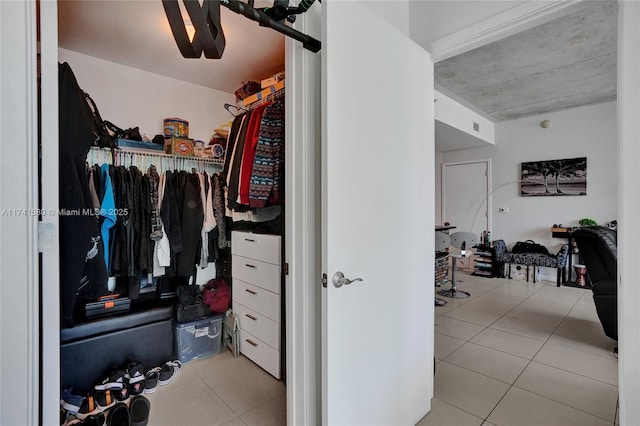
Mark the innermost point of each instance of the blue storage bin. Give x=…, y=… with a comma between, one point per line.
x=128, y=143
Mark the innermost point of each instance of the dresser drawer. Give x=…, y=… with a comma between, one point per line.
x=262, y=247
x=258, y=325
x=265, y=275
x=260, y=353
x=257, y=299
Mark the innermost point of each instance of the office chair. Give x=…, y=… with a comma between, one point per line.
x=462, y=241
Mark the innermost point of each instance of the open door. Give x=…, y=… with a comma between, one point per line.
x=378, y=217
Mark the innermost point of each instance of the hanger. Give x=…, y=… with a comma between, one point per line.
x=227, y=106
x=223, y=130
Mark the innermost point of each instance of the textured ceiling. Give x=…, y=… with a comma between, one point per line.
x=136, y=33
x=567, y=62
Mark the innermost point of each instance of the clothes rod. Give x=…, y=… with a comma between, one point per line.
x=265, y=20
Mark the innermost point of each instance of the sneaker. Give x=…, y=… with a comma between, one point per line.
x=115, y=381
x=135, y=377
x=78, y=406
x=151, y=380
x=71, y=401
x=168, y=372
x=104, y=399
x=122, y=395
x=135, y=371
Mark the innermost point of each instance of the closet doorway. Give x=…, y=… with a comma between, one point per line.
x=466, y=201
x=104, y=78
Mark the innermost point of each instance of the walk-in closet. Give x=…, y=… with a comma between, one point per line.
x=196, y=205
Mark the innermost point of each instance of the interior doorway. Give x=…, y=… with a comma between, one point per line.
x=465, y=195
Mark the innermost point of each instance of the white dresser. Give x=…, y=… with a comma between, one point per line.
x=256, y=272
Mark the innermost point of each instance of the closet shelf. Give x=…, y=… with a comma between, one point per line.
x=158, y=154
x=264, y=93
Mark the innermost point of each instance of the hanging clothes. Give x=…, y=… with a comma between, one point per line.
x=192, y=217
x=107, y=212
x=269, y=158
x=82, y=270
x=254, y=130
x=233, y=176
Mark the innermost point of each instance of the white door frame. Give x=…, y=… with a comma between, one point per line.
x=50, y=203
x=628, y=208
x=488, y=196
x=302, y=189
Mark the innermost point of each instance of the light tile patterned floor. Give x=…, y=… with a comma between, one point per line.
x=514, y=354
x=220, y=390
x=518, y=354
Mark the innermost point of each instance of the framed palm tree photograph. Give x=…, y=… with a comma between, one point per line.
x=554, y=177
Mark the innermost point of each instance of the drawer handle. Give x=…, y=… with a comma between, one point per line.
x=251, y=342
x=250, y=266
x=251, y=317
x=250, y=240
x=250, y=291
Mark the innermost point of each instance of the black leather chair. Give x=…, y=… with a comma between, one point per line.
x=598, y=249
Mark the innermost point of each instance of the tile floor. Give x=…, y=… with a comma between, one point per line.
x=515, y=353
x=219, y=390
x=518, y=353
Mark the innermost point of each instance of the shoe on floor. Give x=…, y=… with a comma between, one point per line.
x=115, y=380
x=168, y=372
x=79, y=406
x=94, y=420
x=104, y=398
x=139, y=409
x=135, y=376
x=122, y=395
x=151, y=380
x=71, y=401
x=119, y=415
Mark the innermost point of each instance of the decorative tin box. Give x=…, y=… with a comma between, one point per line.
x=179, y=146
x=176, y=127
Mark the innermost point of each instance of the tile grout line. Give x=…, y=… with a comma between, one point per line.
x=512, y=385
x=529, y=363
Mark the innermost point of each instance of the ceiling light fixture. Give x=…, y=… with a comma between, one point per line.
x=545, y=124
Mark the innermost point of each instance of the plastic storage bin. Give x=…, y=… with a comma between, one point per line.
x=198, y=338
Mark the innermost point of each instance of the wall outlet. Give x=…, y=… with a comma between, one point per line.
x=503, y=209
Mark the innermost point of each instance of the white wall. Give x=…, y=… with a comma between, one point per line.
x=130, y=97
x=393, y=11
x=588, y=131
x=462, y=118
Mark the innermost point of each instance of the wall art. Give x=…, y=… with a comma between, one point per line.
x=554, y=177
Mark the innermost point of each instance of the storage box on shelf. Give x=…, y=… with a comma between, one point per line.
x=179, y=146
x=485, y=262
x=256, y=272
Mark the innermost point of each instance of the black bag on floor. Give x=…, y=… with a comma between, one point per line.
x=529, y=246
